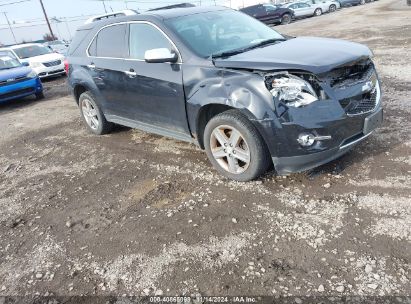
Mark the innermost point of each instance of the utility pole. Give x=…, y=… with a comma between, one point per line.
x=47, y=20
x=11, y=30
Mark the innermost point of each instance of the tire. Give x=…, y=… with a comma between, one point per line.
x=319, y=12
x=92, y=115
x=40, y=95
x=249, y=143
x=285, y=19
x=333, y=8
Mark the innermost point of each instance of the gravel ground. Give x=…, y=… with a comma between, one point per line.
x=132, y=213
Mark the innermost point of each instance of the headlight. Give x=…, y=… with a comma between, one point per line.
x=32, y=74
x=35, y=64
x=292, y=90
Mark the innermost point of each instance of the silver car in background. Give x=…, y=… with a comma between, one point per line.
x=302, y=9
x=325, y=5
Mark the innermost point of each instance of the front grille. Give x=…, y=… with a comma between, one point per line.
x=352, y=74
x=52, y=63
x=16, y=93
x=16, y=80
x=360, y=104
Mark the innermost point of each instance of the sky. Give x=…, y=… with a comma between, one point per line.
x=28, y=21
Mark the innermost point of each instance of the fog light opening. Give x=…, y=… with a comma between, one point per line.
x=306, y=139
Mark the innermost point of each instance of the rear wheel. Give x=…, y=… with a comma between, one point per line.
x=285, y=19
x=333, y=8
x=319, y=12
x=92, y=115
x=234, y=147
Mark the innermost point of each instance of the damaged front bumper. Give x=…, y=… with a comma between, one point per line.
x=328, y=119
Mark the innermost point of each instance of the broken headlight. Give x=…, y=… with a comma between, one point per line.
x=291, y=90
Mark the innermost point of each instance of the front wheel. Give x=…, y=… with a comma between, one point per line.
x=318, y=12
x=333, y=8
x=285, y=19
x=39, y=95
x=234, y=147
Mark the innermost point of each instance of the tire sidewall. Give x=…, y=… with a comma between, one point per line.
x=101, y=119
x=333, y=8
x=288, y=17
x=318, y=12
x=257, y=153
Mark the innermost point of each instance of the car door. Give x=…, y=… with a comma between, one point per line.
x=272, y=13
x=306, y=9
x=106, y=65
x=294, y=8
x=154, y=91
x=323, y=5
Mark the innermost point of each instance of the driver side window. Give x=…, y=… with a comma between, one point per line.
x=144, y=37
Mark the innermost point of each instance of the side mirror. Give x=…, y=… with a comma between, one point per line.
x=26, y=64
x=160, y=55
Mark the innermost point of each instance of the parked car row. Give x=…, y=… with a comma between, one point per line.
x=285, y=13
x=22, y=66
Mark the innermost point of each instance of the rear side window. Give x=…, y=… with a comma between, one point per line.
x=110, y=42
x=144, y=37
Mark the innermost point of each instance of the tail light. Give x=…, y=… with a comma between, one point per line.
x=66, y=66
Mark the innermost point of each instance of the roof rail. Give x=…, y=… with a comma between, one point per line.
x=128, y=12
x=179, y=5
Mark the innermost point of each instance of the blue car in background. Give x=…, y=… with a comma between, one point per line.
x=17, y=80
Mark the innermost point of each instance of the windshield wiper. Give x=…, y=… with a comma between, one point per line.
x=242, y=50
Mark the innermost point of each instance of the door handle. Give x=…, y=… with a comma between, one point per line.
x=91, y=66
x=131, y=73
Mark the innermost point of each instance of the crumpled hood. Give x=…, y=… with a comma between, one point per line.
x=316, y=55
x=14, y=73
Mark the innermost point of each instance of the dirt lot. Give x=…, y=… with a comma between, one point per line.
x=132, y=213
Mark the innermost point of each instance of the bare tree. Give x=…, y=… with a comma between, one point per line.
x=48, y=37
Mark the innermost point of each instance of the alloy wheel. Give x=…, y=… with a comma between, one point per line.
x=230, y=149
x=90, y=114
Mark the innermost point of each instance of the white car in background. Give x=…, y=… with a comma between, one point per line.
x=40, y=58
x=325, y=5
x=302, y=9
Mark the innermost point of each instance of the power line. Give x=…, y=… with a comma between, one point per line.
x=5, y=4
x=11, y=30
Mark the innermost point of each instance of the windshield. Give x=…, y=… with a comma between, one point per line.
x=223, y=31
x=31, y=51
x=8, y=60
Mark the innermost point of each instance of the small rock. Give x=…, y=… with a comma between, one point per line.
x=340, y=288
x=298, y=301
x=234, y=220
x=159, y=292
x=372, y=286
x=321, y=288
x=39, y=276
x=327, y=185
x=69, y=224
x=3, y=288
x=146, y=291
x=368, y=268
x=7, y=168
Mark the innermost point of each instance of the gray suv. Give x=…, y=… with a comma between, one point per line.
x=249, y=96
